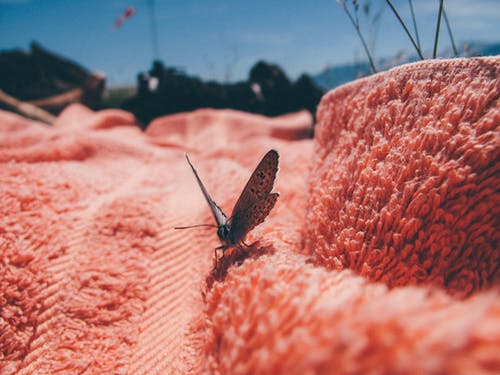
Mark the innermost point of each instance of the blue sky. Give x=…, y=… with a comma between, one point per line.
x=221, y=40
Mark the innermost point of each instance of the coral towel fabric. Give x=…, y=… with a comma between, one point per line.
x=380, y=256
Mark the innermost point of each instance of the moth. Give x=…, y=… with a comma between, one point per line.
x=251, y=208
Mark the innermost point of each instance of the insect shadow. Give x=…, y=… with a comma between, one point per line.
x=237, y=255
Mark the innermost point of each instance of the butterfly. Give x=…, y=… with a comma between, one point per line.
x=252, y=207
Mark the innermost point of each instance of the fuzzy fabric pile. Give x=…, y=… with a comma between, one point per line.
x=380, y=256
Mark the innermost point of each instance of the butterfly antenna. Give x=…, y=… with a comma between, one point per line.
x=207, y=196
x=202, y=187
x=197, y=225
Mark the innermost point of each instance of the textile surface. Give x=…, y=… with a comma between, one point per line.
x=380, y=256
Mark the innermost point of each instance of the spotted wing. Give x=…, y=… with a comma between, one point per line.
x=251, y=217
x=219, y=216
x=259, y=185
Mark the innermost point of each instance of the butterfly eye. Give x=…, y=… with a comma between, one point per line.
x=223, y=232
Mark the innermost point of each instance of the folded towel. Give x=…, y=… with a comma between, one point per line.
x=380, y=255
x=406, y=175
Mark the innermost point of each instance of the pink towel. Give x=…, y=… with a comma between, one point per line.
x=380, y=256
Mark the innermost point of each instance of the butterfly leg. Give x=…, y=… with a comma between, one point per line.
x=222, y=247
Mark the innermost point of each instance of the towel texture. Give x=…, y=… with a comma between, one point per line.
x=407, y=172
x=380, y=256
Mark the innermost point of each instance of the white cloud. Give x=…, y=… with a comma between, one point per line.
x=460, y=8
x=477, y=18
x=474, y=9
x=468, y=19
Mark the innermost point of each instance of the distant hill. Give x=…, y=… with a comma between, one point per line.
x=337, y=75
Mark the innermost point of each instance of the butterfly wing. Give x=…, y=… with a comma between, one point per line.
x=260, y=183
x=255, y=202
x=245, y=221
x=219, y=216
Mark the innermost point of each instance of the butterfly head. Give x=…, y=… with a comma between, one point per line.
x=223, y=233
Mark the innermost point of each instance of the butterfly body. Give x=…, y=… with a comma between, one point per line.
x=253, y=205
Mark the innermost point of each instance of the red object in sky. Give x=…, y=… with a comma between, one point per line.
x=129, y=12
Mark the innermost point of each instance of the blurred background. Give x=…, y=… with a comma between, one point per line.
x=154, y=57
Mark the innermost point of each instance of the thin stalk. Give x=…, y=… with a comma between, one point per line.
x=356, y=12
x=154, y=30
x=376, y=28
x=358, y=31
x=419, y=52
x=434, y=53
x=455, y=51
x=414, y=24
